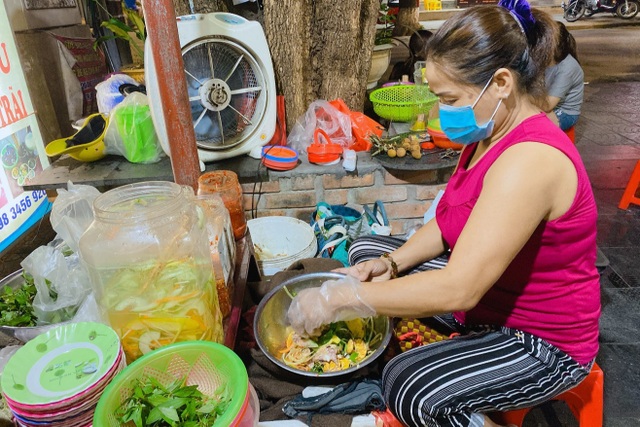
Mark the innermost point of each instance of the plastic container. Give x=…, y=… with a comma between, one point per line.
x=138, y=134
x=222, y=247
x=279, y=241
x=225, y=183
x=147, y=253
x=439, y=138
x=208, y=365
x=399, y=103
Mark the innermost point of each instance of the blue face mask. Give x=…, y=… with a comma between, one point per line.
x=459, y=123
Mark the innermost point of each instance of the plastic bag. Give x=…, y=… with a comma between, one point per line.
x=108, y=93
x=62, y=283
x=131, y=132
x=72, y=212
x=362, y=126
x=320, y=114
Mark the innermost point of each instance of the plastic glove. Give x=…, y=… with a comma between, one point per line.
x=373, y=270
x=335, y=300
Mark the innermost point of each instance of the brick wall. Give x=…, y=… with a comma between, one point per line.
x=406, y=195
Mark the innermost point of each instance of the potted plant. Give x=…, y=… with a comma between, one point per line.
x=381, y=55
x=133, y=31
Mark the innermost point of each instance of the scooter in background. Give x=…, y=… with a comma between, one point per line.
x=576, y=9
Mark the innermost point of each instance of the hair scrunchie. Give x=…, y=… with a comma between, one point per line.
x=521, y=12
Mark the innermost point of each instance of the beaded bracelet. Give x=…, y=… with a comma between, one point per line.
x=394, y=266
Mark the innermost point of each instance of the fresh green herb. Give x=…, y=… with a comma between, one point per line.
x=154, y=405
x=16, y=307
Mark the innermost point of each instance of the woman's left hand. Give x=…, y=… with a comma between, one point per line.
x=374, y=270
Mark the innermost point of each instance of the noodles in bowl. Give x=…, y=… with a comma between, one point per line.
x=341, y=347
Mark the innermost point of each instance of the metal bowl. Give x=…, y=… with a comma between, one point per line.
x=269, y=325
x=22, y=333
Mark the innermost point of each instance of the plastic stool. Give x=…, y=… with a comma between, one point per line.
x=571, y=133
x=629, y=195
x=584, y=400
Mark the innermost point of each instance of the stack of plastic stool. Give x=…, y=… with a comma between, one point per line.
x=584, y=400
x=433, y=4
x=629, y=195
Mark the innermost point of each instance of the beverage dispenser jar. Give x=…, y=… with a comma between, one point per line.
x=147, y=253
x=222, y=247
x=226, y=184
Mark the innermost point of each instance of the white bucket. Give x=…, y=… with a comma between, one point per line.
x=279, y=241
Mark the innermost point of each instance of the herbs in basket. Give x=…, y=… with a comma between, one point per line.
x=153, y=405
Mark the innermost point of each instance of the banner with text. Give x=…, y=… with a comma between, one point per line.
x=22, y=154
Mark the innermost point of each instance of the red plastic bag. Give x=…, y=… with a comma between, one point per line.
x=362, y=126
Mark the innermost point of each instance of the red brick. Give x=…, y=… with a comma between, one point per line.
x=264, y=187
x=331, y=181
x=336, y=197
x=386, y=194
x=303, y=214
x=303, y=183
x=406, y=210
x=294, y=199
x=428, y=192
x=271, y=212
x=411, y=177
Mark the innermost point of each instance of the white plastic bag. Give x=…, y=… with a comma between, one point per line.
x=320, y=114
x=108, y=92
x=72, y=212
x=62, y=283
x=131, y=132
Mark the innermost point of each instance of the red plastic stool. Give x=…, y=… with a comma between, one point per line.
x=571, y=133
x=629, y=195
x=584, y=400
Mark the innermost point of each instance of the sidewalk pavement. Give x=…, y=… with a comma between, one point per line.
x=600, y=20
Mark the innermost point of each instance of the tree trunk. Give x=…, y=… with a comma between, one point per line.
x=321, y=49
x=407, y=20
x=199, y=6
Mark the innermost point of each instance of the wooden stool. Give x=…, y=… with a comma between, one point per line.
x=571, y=133
x=584, y=400
x=629, y=195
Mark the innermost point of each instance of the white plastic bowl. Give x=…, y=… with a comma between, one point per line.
x=279, y=241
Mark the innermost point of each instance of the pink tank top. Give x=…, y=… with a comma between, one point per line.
x=552, y=288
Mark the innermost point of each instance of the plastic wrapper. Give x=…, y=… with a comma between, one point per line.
x=131, y=132
x=61, y=281
x=321, y=114
x=72, y=212
x=108, y=93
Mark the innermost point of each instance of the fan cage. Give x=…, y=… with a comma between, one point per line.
x=221, y=129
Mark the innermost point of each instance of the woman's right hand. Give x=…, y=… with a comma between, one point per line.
x=374, y=270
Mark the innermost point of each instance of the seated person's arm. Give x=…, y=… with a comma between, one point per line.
x=529, y=183
x=552, y=101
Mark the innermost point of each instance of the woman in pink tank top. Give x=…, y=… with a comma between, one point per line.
x=516, y=229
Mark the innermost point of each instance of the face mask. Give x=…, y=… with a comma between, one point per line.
x=459, y=123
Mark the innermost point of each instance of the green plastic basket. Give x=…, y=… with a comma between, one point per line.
x=207, y=364
x=402, y=103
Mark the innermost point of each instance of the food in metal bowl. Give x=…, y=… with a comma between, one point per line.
x=342, y=348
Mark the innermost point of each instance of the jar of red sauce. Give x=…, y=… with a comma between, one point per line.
x=226, y=184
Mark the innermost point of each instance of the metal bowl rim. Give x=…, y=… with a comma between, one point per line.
x=303, y=277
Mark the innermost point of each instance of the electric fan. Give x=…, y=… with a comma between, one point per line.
x=230, y=81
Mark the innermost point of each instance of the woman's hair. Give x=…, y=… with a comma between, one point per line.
x=473, y=45
x=566, y=44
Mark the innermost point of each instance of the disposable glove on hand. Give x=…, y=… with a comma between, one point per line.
x=335, y=300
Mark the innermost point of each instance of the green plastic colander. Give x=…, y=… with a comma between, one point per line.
x=402, y=103
x=207, y=364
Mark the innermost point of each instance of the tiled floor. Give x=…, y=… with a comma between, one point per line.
x=608, y=137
